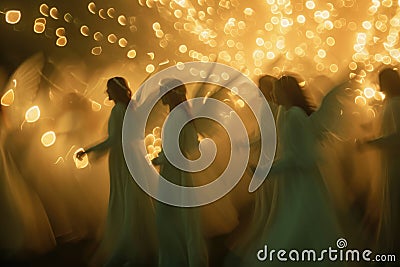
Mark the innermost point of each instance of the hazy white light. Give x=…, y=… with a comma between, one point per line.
x=48, y=139
x=131, y=53
x=150, y=68
x=369, y=92
x=310, y=4
x=32, y=114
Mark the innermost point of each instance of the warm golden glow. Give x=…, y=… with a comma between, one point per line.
x=85, y=30
x=39, y=27
x=44, y=10
x=32, y=114
x=13, y=16
x=102, y=14
x=92, y=7
x=95, y=106
x=111, y=12
x=54, y=13
x=48, y=139
x=60, y=32
x=122, y=42
x=83, y=162
x=62, y=41
x=97, y=50
x=360, y=100
x=8, y=98
x=68, y=18
x=98, y=36
x=150, y=68
x=149, y=140
x=122, y=20
x=369, y=92
x=131, y=53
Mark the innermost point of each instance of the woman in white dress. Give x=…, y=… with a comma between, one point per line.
x=388, y=145
x=301, y=216
x=129, y=237
x=180, y=235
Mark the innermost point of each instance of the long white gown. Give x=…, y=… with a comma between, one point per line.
x=180, y=234
x=25, y=228
x=129, y=236
x=388, y=145
x=301, y=215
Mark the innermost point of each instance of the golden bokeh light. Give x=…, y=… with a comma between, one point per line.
x=13, y=16
x=32, y=114
x=44, y=10
x=61, y=41
x=85, y=30
x=97, y=50
x=54, y=13
x=131, y=53
x=48, y=139
x=8, y=98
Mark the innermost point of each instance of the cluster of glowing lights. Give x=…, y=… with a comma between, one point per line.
x=153, y=143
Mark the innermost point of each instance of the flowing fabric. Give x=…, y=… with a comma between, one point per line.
x=25, y=227
x=180, y=235
x=129, y=233
x=389, y=144
x=301, y=216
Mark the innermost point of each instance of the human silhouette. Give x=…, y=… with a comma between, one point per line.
x=301, y=216
x=181, y=241
x=388, y=143
x=129, y=238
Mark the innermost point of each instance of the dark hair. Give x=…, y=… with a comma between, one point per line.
x=389, y=81
x=175, y=96
x=121, y=89
x=296, y=95
x=266, y=85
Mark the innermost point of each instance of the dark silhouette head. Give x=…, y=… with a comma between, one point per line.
x=175, y=96
x=287, y=92
x=266, y=85
x=118, y=90
x=389, y=82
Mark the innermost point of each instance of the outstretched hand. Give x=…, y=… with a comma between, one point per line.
x=80, y=154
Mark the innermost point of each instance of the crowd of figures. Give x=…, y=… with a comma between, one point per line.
x=335, y=175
